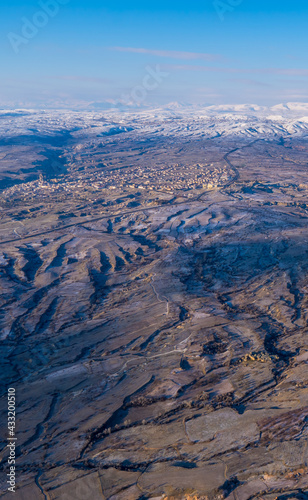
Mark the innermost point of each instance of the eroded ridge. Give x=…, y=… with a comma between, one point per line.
x=156, y=333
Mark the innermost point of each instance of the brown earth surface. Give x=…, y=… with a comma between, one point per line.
x=157, y=339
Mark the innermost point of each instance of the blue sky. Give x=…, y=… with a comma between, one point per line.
x=79, y=52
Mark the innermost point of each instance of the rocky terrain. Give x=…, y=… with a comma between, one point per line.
x=154, y=278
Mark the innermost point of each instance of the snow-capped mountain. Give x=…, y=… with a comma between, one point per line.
x=173, y=120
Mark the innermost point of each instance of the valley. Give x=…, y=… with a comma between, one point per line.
x=154, y=305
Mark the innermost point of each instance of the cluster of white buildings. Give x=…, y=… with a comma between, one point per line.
x=169, y=178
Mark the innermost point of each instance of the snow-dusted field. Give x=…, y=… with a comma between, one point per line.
x=154, y=311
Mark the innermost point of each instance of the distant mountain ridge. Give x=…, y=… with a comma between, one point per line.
x=174, y=119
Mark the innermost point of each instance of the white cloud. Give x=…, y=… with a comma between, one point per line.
x=172, y=54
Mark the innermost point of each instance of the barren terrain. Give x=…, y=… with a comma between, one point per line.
x=154, y=285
